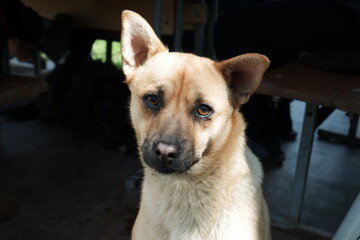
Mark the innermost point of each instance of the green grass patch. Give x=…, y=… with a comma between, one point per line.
x=116, y=54
x=98, y=52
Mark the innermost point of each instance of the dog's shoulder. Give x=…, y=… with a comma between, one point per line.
x=255, y=166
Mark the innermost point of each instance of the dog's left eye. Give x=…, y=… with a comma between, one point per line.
x=151, y=101
x=204, y=111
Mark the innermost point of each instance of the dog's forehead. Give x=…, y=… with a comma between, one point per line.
x=173, y=71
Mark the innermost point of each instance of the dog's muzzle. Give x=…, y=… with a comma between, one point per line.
x=168, y=157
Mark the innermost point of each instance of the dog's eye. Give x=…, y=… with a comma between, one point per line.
x=204, y=111
x=151, y=101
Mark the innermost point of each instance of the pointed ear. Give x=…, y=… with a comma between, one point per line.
x=244, y=74
x=138, y=41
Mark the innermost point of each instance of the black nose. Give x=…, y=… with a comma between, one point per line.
x=166, y=153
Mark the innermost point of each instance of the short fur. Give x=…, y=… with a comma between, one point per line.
x=201, y=180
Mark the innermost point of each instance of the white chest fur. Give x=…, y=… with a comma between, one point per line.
x=203, y=210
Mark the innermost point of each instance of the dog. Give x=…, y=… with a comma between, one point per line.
x=201, y=181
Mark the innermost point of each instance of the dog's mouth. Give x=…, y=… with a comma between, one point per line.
x=168, y=170
x=165, y=170
x=171, y=169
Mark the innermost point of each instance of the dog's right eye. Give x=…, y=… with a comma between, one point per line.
x=152, y=101
x=204, y=111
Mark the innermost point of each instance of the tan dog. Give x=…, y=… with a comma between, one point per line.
x=201, y=181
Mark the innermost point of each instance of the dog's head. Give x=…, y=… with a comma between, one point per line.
x=183, y=107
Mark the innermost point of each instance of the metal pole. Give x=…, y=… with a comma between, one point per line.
x=5, y=66
x=179, y=19
x=2, y=164
x=37, y=62
x=354, y=119
x=108, y=51
x=199, y=36
x=212, y=18
x=350, y=226
x=2, y=195
x=157, y=16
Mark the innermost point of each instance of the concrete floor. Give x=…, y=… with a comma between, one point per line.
x=67, y=188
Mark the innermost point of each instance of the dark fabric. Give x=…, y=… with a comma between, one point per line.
x=22, y=22
x=282, y=31
x=91, y=98
x=262, y=127
x=81, y=42
x=282, y=114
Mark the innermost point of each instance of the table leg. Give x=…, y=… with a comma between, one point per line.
x=303, y=161
x=1, y=174
x=7, y=208
x=350, y=138
x=313, y=117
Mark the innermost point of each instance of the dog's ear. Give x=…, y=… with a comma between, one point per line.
x=138, y=41
x=244, y=74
